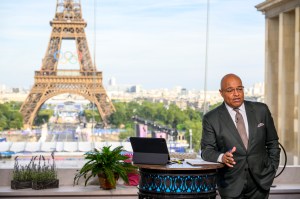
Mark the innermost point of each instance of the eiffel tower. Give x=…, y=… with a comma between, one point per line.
x=51, y=81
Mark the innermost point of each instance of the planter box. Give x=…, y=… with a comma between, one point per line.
x=45, y=185
x=20, y=184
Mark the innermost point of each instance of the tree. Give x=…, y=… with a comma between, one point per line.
x=3, y=122
x=147, y=110
x=10, y=118
x=119, y=117
x=43, y=116
x=192, y=114
x=196, y=127
x=161, y=113
x=92, y=115
x=175, y=116
x=129, y=132
x=215, y=105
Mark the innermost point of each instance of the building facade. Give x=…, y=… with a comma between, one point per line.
x=282, y=70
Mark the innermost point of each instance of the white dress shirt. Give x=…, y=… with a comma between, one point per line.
x=242, y=110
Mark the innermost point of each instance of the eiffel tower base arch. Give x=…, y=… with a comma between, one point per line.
x=46, y=87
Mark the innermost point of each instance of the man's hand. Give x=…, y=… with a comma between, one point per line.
x=228, y=157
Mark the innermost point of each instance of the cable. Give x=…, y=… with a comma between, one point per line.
x=94, y=68
x=95, y=35
x=284, y=165
x=285, y=161
x=206, y=57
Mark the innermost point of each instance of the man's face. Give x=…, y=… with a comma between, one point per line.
x=232, y=91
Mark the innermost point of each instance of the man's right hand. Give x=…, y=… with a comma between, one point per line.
x=228, y=157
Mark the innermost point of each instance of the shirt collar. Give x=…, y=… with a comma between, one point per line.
x=241, y=108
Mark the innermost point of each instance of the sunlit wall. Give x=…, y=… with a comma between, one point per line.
x=282, y=64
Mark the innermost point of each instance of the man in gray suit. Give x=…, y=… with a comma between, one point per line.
x=241, y=134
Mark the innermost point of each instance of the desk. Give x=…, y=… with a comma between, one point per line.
x=177, y=181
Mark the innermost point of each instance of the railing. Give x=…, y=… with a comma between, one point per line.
x=68, y=73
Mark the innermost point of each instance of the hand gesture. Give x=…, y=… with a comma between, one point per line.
x=228, y=157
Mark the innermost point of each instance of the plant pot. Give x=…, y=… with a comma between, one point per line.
x=45, y=184
x=105, y=184
x=20, y=184
x=133, y=179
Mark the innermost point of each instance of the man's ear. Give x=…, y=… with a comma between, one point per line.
x=221, y=92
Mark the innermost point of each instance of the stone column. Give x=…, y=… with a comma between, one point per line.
x=271, y=66
x=297, y=86
x=286, y=84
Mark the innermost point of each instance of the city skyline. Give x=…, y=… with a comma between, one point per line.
x=156, y=44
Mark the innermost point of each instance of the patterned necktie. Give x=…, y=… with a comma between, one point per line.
x=240, y=125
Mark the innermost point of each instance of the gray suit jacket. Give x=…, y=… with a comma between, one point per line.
x=261, y=157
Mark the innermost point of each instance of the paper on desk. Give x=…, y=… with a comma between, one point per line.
x=199, y=162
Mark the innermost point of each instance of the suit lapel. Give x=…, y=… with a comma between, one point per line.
x=251, y=123
x=227, y=120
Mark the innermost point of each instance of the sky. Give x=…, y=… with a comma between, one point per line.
x=152, y=43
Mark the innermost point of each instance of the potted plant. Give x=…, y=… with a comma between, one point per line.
x=44, y=174
x=108, y=165
x=22, y=175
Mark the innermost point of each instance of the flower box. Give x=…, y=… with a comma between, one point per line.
x=45, y=184
x=20, y=184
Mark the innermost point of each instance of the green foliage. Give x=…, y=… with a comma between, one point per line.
x=92, y=114
x=215, y=105
x=17, y=120
x=10, y=117
x=129, y=132
x=22, y=173
x=171, y=116
x=43, y=116
x=193, y=115
x=3, y=122
x=196, y=127
x=44, y=175
x=175, y=116
x=119, y=117
x=43, y=171
x=158, y=112
x=106, y=162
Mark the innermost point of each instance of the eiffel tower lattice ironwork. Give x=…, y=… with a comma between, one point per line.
x=50, y=81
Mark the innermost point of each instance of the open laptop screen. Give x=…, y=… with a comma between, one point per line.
x=149, y=150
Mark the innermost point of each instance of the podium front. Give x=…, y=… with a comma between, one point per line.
x=177, y=181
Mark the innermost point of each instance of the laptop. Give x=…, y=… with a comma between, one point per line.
x=149, y=150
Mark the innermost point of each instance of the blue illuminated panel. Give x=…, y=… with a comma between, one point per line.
x=177, y=183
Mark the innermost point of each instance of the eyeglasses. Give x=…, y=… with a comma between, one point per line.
x=239, y=89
